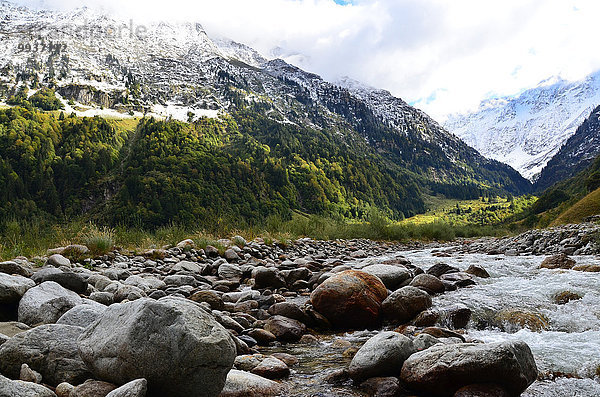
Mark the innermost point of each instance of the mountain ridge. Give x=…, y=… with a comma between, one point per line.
x=178, y=71
x=527, y=130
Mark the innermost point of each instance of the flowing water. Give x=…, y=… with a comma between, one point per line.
x=567, y=352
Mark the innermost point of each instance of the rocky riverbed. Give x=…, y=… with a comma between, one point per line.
x=490, y=317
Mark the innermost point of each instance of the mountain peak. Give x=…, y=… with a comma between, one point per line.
x=527, y=130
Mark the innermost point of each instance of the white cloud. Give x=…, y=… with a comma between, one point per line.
x=443, y=55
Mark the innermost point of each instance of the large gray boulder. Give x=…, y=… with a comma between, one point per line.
x=46, y=303
x=174, y=344
x=443, y=369
x=18, y=388
x=12, y=288
x=382, y=355
x=50, y=350
x=391, y=276
x=404, y=304
x=82, y=315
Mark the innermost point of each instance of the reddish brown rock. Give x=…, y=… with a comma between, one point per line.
x=285, y=329
x=560, y=261
x=587, y=268
x=351, y=299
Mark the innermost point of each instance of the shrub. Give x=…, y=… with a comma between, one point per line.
x=46, y=99
x=100, y=241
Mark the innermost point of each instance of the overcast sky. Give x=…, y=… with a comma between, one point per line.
x=443, y=56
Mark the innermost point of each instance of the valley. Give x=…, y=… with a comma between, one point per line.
x=182, y=215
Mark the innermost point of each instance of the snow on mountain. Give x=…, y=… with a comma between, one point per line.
x=176, y=70
x=578, y=152
x=528, y=130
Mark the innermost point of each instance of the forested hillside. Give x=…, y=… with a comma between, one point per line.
x=236, y=169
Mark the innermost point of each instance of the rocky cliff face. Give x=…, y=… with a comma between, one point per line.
x=528, y=130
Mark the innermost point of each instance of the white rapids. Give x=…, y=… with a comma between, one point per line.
x=570, y=346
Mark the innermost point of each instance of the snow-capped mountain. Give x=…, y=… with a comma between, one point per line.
x=528, y=130
x=578, y=152
x=176, y=70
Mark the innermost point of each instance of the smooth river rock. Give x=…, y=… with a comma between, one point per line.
x=46, y=303
x=404, y=304
x=382, y=355
x=441, y=370
x=391, y=276
x=172, y=342
x=50, y=350
x=350, y=299
x=12, y=288
x=18, y=388
x=245, y=384
x=135, y=388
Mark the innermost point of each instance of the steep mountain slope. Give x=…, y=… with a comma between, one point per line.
x=587, y=207
x=571, y=197
x=528, y=130
x=365, y=145
x=575, y=155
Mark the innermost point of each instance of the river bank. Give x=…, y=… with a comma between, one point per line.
x=269, y=310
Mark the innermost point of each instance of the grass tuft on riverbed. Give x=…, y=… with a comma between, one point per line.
x=34, y=237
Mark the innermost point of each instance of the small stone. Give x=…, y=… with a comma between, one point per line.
x=285, y=329
x=391, y=276
x=82, y=315
x=309, y=339
x=477, y=271
x=381, y=387
x=46, y=303
x=263, y=337
x=350, y=299
x=587, y=268
x=64, y=389
x=271, y=368
x=428, y=283
x=10, y=267
x=210, y=297
x=57, y=260
x=50, y=350
x=444, y=369
x=231, y=255
x=248, y=362
x=186, y=245
x=93, y=388
x=441, y=268
x=245, y=384
x=12, y=288
x=565, y=297
x=482, y=390
x=29, y=375
x=267, y=278
x=135, y=388
x=288, y=359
